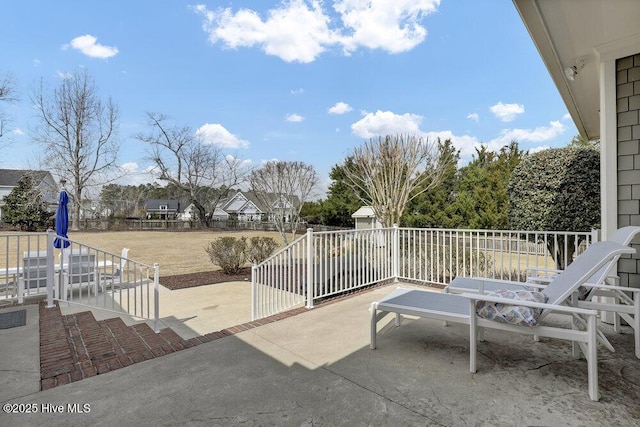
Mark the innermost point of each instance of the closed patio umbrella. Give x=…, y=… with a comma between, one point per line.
x=62, y=220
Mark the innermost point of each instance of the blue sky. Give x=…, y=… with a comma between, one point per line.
x=288, y=80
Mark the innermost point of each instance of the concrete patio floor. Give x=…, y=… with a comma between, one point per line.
x=316, y=368
x=193, y=311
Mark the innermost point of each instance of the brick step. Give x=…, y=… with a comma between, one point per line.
x=175, y=341
x=156, y=342
x=56, y=358
x=129, y=346
x=92, y=349
x=77, y=346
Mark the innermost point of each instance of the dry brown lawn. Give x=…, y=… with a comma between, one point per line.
x=177, y=252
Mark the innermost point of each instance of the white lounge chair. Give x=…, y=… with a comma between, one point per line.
x=79, y=272
x=626, y=300
x=623, y=235
x=33, y=275
x=113, y=276
x=462, y=309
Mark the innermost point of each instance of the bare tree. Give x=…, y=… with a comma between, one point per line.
x=7, y=94
x=284, y=187
x=201, y=171
x=78, y=130
x=388, y=172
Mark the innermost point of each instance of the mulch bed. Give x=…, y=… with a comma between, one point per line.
x=190, y=280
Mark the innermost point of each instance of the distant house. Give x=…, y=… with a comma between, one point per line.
x=365, y=218
x=246, y=207
x=165, y=209
x=189, y=213
x=42, y=180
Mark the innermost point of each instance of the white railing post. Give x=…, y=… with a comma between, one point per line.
x=156, y=297
x=310, y=284
x=395, y=253
x=50, y=267
x=254, y=293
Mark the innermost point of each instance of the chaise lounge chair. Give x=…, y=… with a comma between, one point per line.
x=467, y=309
x=626, y=300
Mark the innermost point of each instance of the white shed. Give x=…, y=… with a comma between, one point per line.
x=366, y=218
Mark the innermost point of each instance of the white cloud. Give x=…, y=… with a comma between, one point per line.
x=506, y=112
x=17, y=131
x=394, y=26
x=129, y=167
x=300, y=30
x=89, y=46
x=294, y=118
x=36, y=62
x=465, y=143
x=265, y=161
x=246, y=163
x=539, y=134
x=131, y=174
x=473, y=116
x=216, y=134
x=566, y=117
x=340, y=108
x=383, y=123
x=299, y=91
x=64, y=76
x=538, y=149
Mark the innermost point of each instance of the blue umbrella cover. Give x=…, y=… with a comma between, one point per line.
x=62, y=220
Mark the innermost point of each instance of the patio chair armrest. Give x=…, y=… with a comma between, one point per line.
x=541, y=280
x=499, y=281
x=553, y=307
x=611, y=287
x=543, y=270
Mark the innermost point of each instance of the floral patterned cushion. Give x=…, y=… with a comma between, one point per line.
x=513, y=314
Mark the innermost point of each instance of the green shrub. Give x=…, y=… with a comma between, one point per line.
x=229, y=253
x=559, y=190
x=261, y=248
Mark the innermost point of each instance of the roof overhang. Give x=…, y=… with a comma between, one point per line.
x=593, y=31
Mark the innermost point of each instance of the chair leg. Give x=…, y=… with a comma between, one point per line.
x=616, y=318
x=575, y=347
x=473, y=338
x=444, y=322
x=20, y=291
x=374, y=325
x=592, y=359
x=636, y=324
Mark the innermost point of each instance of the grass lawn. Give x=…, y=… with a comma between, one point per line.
x=177, y=252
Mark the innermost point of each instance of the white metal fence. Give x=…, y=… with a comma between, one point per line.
x=78, y=274
x=323, y=264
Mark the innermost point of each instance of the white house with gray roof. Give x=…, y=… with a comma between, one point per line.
x=42, y=180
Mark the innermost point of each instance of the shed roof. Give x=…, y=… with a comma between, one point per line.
x=364, y=212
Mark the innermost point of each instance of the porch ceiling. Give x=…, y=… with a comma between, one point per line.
x=564, y=30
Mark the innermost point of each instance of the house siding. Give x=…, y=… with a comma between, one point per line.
x=628, y=154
